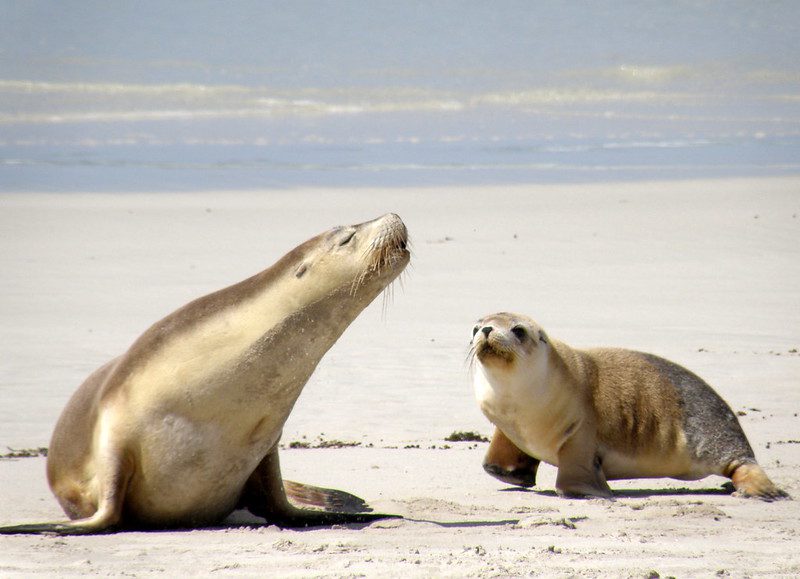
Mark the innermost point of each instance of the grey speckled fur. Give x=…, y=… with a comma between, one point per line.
x=713, y=432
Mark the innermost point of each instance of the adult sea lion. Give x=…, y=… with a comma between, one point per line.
x=601, y=414
x=183, y=428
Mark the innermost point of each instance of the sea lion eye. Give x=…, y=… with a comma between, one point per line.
x=475, y=330
x=347, y=238
x=519, y=332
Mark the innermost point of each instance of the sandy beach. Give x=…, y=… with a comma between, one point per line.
x=706, y=273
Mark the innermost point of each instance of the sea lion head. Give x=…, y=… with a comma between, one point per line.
x=357, y=261
x=505, y=340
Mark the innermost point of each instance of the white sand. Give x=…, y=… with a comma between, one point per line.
x=706, y=273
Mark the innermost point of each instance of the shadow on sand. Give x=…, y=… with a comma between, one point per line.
x=725, y=489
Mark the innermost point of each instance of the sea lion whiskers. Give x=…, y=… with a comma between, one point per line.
x=469, y=359
x=494, y=348
x=389, y=246
x=387, y=296
x=486, y=346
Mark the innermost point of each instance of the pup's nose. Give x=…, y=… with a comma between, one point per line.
x=486, y=330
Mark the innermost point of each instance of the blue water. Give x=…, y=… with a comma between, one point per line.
x=194, y=95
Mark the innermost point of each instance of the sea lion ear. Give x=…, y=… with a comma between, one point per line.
x=301, y=270
x=542, y=337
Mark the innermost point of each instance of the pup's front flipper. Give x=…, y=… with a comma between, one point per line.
x=580, y=472
x=506, y=462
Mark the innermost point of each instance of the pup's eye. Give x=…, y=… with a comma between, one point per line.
x=347, y=238
x=475, y=330
x=519, y=332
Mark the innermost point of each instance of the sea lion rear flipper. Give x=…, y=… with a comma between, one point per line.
x=265, y=496
x=506, y=462
x=65, y=528
x=113, y=484
x=750, y=480
x=580, y=471
x=328, y=499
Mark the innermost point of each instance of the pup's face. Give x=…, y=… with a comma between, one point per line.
x=501, y=340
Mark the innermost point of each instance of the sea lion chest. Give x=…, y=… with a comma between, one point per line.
x=531, y=409
x=207, y=414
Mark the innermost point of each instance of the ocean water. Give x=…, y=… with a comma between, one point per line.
x=114, y=96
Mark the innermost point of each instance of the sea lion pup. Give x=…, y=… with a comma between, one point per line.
x=601, y=414
x=184, y=427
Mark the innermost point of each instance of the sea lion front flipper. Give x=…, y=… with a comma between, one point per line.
x=580, y=472
x=265, y=496
x=506, y=462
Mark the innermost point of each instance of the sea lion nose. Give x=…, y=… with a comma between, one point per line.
x=486, y=330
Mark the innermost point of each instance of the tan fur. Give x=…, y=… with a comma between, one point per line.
x=183, y=428
x=641, y=414
x=602, y=414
